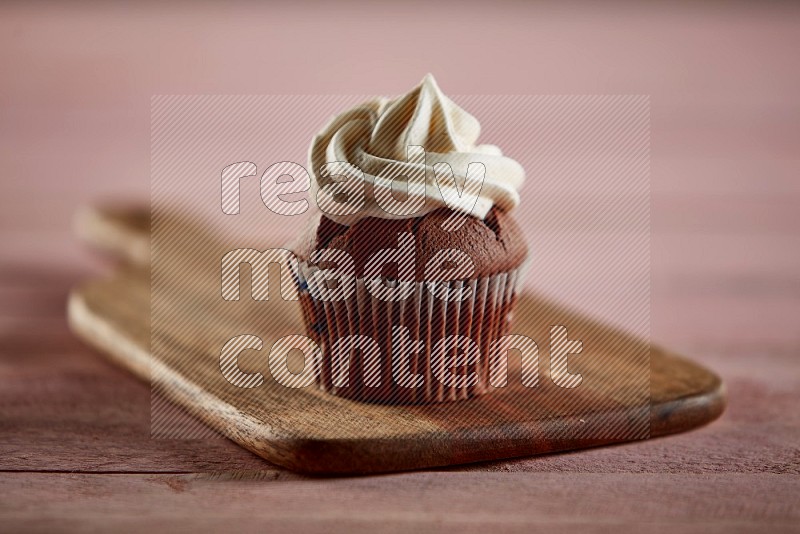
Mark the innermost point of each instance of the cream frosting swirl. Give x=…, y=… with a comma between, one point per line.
x=375, y=136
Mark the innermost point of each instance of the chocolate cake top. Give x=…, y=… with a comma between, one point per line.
x=495, y=244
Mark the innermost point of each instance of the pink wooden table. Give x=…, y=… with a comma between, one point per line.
x=75, y=451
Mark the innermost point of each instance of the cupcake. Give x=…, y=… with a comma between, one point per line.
x=410, y=270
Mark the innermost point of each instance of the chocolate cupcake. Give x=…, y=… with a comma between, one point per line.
x=411, y=270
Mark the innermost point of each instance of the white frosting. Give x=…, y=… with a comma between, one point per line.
x=375, y=136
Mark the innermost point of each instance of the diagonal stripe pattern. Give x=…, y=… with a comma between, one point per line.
x=586, y=207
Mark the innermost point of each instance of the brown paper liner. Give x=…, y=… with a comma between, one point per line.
x=483, y=317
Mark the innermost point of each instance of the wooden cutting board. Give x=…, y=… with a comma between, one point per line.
x=311, y=431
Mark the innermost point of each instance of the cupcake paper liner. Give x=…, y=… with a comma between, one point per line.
x=484, y=316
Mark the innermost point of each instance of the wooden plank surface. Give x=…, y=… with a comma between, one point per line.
x=75, y=446
x=623, y=389
x=65, y=410
x=468, y=502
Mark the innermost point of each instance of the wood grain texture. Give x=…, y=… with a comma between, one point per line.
x=725, y=258
x=419, y=502
x=65, y=408
x=310, y=431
